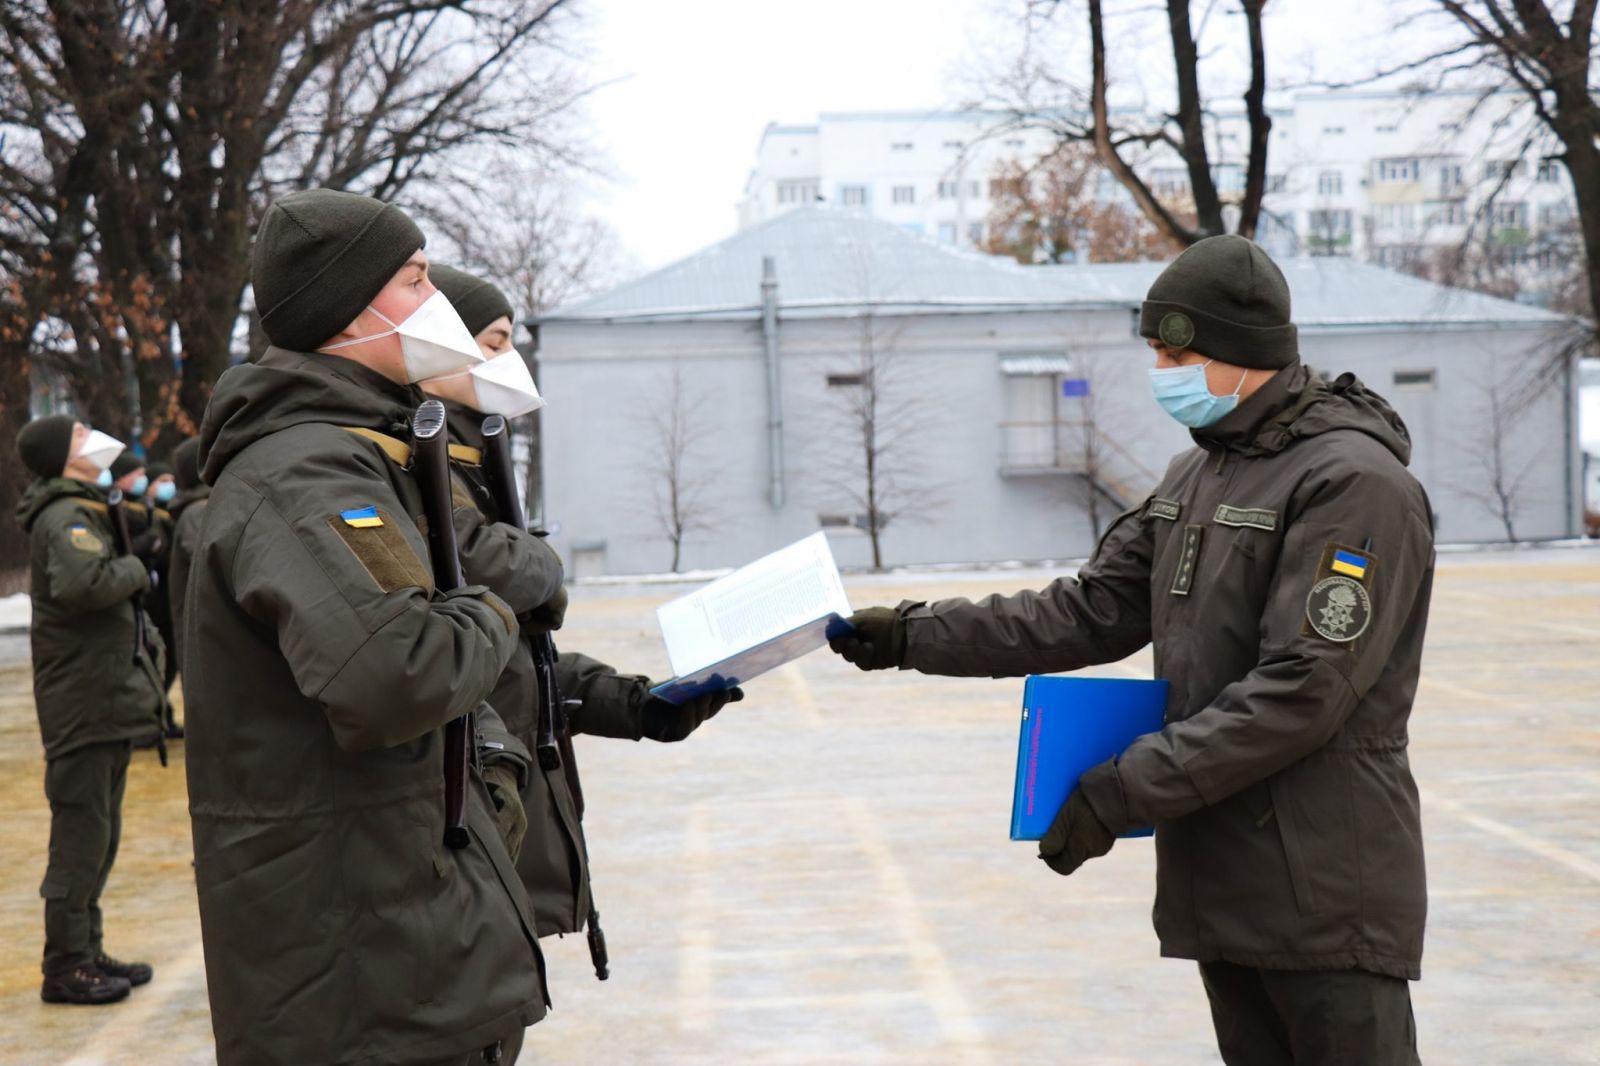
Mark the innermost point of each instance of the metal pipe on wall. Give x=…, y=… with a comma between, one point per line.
x=769, y=339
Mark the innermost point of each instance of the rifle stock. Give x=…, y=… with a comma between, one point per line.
x=555, y=745
x=430, y=454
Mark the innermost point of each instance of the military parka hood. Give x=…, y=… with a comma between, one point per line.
x=1298, y=404
x=45, y=491
x=284, y=389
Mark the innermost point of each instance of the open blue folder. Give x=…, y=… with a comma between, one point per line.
x=1070, y=724
x=752, y=662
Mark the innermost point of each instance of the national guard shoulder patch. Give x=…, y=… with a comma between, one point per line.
x=1339, y=606
x=83, y=538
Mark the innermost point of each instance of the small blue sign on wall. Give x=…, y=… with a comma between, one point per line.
x=1074, y=386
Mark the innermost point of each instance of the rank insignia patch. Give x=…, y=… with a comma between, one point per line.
x=361, y=517
x=84, y=540
x=1339, y=607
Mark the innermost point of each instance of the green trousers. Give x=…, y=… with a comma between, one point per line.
x=1310, y=1018
x=84, y=788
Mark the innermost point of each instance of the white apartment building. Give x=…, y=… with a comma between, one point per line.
x=1385, y=177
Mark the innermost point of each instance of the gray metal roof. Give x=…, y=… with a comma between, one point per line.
x=835, y=263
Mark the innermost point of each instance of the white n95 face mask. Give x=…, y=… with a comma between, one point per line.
x=499, y=386
x=433, y=339
x=101, y=449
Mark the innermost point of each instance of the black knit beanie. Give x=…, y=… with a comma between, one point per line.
x=125, y=464
x=186, y=464
x=45, y=444
x=319, y=259
x=477, y=301
x=1226, y=299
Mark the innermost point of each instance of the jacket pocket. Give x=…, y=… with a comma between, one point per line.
x=1293, y=850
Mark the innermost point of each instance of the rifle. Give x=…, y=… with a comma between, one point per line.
x=431, y=456
x=121, y=540
x=555, y=740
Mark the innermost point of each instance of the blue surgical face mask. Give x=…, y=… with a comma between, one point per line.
x=104, y=480
x=165, y=491
x=140, y=484
x=1183, y=393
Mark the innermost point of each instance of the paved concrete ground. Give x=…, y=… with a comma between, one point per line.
x=823, y=876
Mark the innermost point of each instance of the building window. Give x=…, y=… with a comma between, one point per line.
x=796, y=192
x=842, y=523
x=975, y=233
x=1332, y=131
x=1414, y=380
x=1329, y=231
x=1034, y=435
x=947, y=232
x=1399, y=170
x=847, y=380
x=1444, y=213
x=1449, y=179
x=1397, y=216
x=901, y=146
x=974, y=189
x=1554, y=215
x=1385, y=129
x=1514, y=215
x=1330, y=183
x=853, y=195
x=1229, y=177
x=949, y=190
x=1549, y=171
x=1498, y=169
x=954, y=145
x=905, y=194
x=1169, y=181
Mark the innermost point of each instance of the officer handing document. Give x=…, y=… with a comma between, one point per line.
x=1282, y=570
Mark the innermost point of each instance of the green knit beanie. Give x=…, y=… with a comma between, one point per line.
x=320, y=258
x=1226, y=299
x=477, y=301
x=45, y=444
x=125, y=464
x=186, y=464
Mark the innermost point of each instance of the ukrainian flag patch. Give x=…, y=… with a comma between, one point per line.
x=1348, y=563
x=361, y=517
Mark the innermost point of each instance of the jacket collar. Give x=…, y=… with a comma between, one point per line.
x=1280, y=400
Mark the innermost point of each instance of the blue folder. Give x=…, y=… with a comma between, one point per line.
x=752, y=662
x=1070, y=724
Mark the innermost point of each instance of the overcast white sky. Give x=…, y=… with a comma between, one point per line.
x=696, y=81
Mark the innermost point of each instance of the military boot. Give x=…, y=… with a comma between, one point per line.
x=84, y=985
x=135, y=973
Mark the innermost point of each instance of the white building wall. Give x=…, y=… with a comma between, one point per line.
x=1337, y=164
x=601, y=381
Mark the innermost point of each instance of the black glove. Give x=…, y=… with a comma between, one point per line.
x=1076, y=836
x=671, y=722
x=509, y=815
x=548, y=616
x=878, y=641
x=146, y=545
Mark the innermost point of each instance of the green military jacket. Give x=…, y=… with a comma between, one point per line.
x=322, y=667
x=88, y=686
x=1283, y=570
x=526, y=572
x=188, y=511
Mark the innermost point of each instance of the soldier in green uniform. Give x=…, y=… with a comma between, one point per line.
x=138, y=481
x=525, y=571
x=93, y=692
x=1283, y=570
x=322, y=667
x=188, y=509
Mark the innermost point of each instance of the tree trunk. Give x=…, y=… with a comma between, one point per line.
x=1191, y=121
x=14, y=477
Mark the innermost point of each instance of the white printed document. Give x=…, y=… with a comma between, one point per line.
x=775, y=610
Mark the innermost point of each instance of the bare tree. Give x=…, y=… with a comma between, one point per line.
x=1047, y=212
x=674, y=457
x=1037, y=95
x=879, y=475
x=143, y=139
x=1541, y=50
x=1500, y=482
x=1103, y=465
